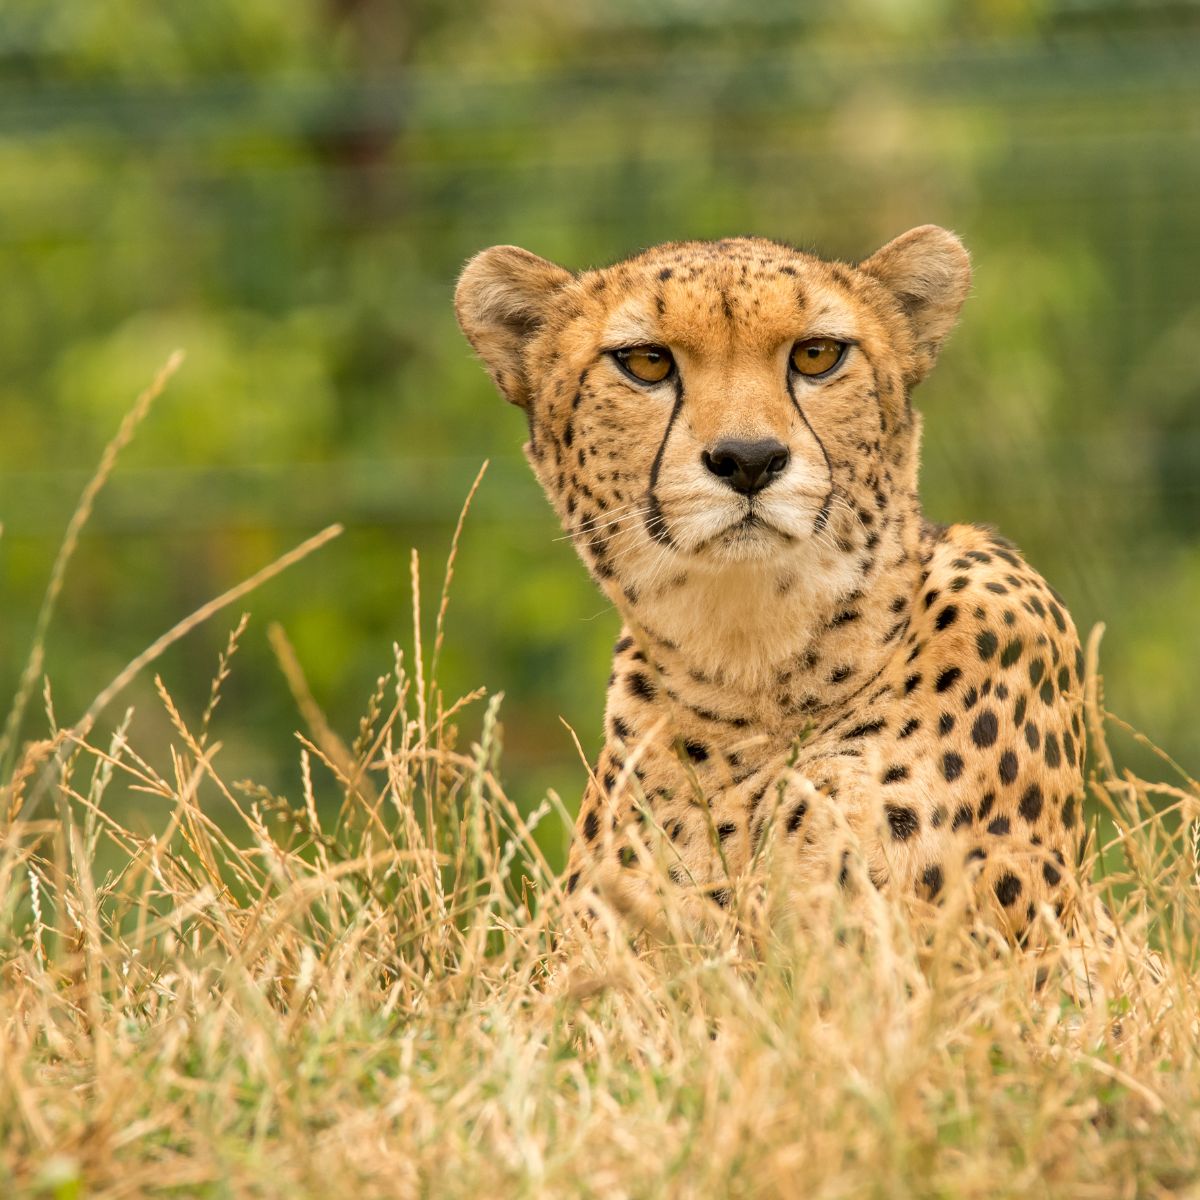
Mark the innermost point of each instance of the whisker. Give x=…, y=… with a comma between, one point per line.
x=606, y=530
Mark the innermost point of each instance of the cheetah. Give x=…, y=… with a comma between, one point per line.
x=726, y=432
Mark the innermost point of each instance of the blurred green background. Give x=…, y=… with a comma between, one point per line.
x=287, y=188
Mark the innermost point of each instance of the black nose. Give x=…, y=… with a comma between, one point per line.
x=747, y=466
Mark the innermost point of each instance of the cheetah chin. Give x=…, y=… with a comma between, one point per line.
x=726, y=431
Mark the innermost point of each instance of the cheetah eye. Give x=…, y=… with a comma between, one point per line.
x=647, y=364
x=817, y=356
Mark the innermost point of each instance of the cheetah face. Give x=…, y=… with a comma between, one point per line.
x=717, y=408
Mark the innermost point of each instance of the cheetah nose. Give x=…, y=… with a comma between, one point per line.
x=747, y=467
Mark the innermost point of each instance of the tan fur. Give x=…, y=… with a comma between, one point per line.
x=872, y=689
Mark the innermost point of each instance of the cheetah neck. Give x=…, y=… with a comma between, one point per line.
x=785, y=641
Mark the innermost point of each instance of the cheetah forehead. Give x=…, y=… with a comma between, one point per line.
x=708, y=296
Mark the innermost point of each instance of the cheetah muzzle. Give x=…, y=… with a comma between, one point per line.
x=726, y=431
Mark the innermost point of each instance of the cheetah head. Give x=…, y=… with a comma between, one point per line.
x=731, y=412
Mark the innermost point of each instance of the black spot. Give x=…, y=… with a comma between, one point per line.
x=958, y=583
x=1079, y=664
x=1012, y=652
x=1053, y=758
x=1032, y=737
x=620, y=729
x=952, y=766
x=1069, y=748
x=895, y=774
x=986, y=643
x=911, y=682
x=640, y=686
x=970, y=699
x=1064, y=679
x=985, y=805
x=1008, y=766
x=937, y=818
x=962, y=816
x=986, y=729
x=1008, y=888
x=1068, y=812
x=665, y=274
x=1036, y=669
x=897, y=604
x=931, y=596
x=591, y=826
x=1056, y=613
x=726, y=830
x=1002, y=691
x=623, y=645
x=721, y=896
x=1031, y=803
x=844, y=618
x=865, y=730
x=947, y=616
x=932, y=879
x=975, y=854
x=999, y=826
x=910, y=727
x=696, y=751
x=610, y=779
x=903, y=821
x=838, y=675
x=945, y=723
x=997, y=588
x=1051, y=874
x=1047, y=692
x=844, y=873
x=756, y=798
x=796, y=816
x=572, y=882
x=1019, y=712
x=947, y=678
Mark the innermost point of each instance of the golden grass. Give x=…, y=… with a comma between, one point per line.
x=374, y=988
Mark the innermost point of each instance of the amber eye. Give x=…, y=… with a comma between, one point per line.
x=649, y=364
x=815, y=356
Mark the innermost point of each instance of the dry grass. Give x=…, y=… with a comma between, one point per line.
x=391, y=1000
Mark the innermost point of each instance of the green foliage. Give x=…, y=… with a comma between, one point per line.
x=287, y=189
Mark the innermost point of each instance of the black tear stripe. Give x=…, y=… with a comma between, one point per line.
x=823, y=516
x=656, y=523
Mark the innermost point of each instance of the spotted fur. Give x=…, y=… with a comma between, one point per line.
x=814, y=659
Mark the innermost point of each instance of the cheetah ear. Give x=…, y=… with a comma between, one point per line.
x=503, y=295
x=929, y=271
